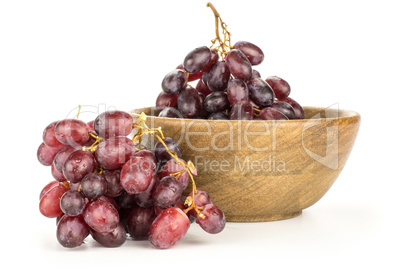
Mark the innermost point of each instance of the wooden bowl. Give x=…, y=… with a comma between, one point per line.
x=264, y=170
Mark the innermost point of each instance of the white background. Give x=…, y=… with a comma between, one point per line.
x=55, y=55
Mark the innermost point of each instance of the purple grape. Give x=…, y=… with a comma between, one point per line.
x=167, y=192
x=188, y=102
x=62, y=156
x=280, y=87
x=253, y=53
x=139, y=222
x=114, y=152
x=285, y=108
x=197, y=59
x=93, y=186
x=125, y=200
x=299, y=112
x=72, y=231
x=144, y=199
x=72, y=203
x=114, y=187
x=171, y=167
x=237, y=91
x=218, y=77
x=269, y=113
x=238, y=65
x=202, y=88
x=77, y=165
x=46, y=154
x=161, y=153
x=114, y=238
x=174, y=81
x=214, y=221
x=219, y=116
x=170, y=112
x=242, y=111
x=202, y=113
x=260, y=92
x=216, y=102
x=113, y=123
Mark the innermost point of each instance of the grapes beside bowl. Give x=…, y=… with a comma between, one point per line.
x=259, y=170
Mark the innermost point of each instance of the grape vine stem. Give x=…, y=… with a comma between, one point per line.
x=224, y=46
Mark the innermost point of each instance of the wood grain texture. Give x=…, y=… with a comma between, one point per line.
x=264, y=170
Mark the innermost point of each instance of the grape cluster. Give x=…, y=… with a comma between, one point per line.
x=108, y=185
x=226, y=89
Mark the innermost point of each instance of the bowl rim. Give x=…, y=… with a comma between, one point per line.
x=343, y=114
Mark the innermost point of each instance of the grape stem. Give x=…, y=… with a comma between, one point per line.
x=224, y=46
x=189, y=167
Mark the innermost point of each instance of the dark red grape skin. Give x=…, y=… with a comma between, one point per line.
x=242, y=111
x=171, y=167
x=214, y=220
x=101, y=216
x=49, y=204
x=214, y=58
x=160, y=151
x=255, y=74
x=114, y=152
x=285, y=108
x=238, y=65
x=62, y=156
x=280, y=87
x=56, y=174
x=165, y=100
x=260, y=92
x=299, y=112
x=77, y=165
x=144, y=199
x=167, y=192
x=253, y=53
x=269, y=113
x=115, y=238
x=46, y=154
x=237, y=91
x=72, y=203
x=136, y=175
x=191, y=76
x=114, y=187
x=49, y=137
x=113, y=123
x=202, y=113
x=125, y=200
x=148, y=156
x=93, y=186
x=48, y=187
x=72, y=132
x=219, y=116
x=171, y=112
x=216, y=102
x=174, y=81
x=218, y=77
x=168, y=228
x=72, y=231
x=188, y=102
x=139, y=222
x=197, y=59
x=202, y=87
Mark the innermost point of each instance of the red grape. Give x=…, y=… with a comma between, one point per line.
x=260, y=92
x=139, y=221
x=113, y=123
x=57, y=175
x=218, y=77
x=114, y=152
x=77, y=165
x=280, y=87
x=72, y=231
x=93, y=185
x=72, y=203
x=165, y=100
x=197, y=59
x=136, y=175
x=170, y=112
x=49, y=137
x=149, y=156
x=46, y=154
x=254, y=54
x=144, y=198
x=48, y=187
x=72, y=132
x=214, y=58
x=239, y=65
x=174, y=81
x=49, y=204
x=202, y=87
x=219, y=116
x=285, y=108
x=171, y=167
x=167, y=192
x=242, y=111
x=161, y=153
x=61, y=157
x=114, y=238
x=169, y=228
x=101, y=216
x=216, y=102
x=114, y=187
x=214, y=220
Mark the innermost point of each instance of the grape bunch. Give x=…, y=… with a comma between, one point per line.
x=228, y=86
x=108, y=185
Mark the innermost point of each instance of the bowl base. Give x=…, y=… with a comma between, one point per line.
x=269, y=218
